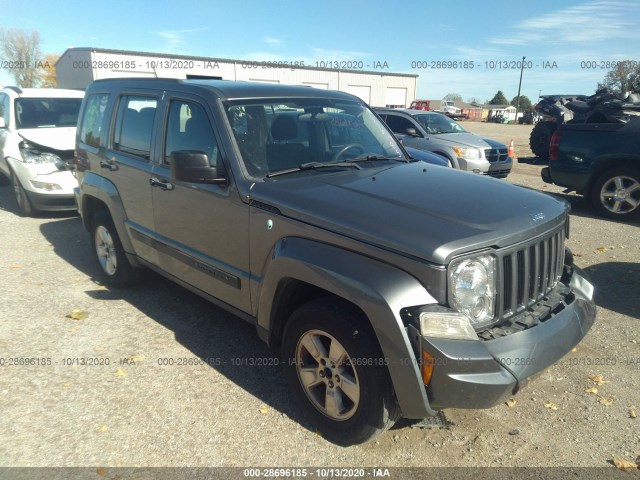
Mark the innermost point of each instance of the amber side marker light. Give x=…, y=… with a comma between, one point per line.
x=427, y=367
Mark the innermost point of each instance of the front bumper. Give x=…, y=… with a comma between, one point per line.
x=51, y=202
x=483, y=167
x=481, y=374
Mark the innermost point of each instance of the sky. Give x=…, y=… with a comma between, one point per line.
x=469, y=47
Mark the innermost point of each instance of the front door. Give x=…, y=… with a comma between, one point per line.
x=202, y=230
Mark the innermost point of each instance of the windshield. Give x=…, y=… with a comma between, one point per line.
x=276, y=135
x=437, y=123
x=47, y=112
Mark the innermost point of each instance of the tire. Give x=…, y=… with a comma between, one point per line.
x=540, y=138
x=327, y=348
x=25, y=208
x=616, y=194
x=113, y=265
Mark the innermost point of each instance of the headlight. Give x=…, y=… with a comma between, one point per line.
x=31, y=154
x=467, y=153
x=472, y=288
x=45, y=185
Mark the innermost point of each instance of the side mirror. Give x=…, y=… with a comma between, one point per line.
x=412, y=132
x=193, y=166
x=2, y=124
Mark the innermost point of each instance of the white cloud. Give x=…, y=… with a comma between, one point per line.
x=274, y=42
x=591, y=22
x=175, y=40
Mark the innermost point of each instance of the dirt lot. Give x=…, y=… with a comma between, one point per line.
x=136, y=411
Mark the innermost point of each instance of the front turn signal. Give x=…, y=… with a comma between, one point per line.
x=427, y=367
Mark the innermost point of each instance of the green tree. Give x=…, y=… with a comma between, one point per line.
x=499, y=99
x=525, y=103
x=453, y=97
x=624, y=77
x=21, y=51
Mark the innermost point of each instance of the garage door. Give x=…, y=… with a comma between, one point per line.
x=360, y=91
x=395, y=97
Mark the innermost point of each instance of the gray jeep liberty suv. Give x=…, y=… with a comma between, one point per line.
x=392, y=287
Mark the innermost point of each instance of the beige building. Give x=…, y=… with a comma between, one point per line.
x=78, y=67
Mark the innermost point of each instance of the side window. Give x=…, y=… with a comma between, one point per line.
x=92, y=119
x=4, y=108
x=398, y=124
x=188, y=128
x=134, y=125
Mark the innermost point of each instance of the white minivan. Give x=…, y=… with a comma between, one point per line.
x=37, y=135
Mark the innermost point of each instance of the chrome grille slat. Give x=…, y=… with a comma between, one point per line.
x=496, y=154
x=529, y=273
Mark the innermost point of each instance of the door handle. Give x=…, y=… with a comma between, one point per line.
x=109, y=166
x=163, y=184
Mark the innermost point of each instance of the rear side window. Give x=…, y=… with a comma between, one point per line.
x=92, y=119
x=134, y=125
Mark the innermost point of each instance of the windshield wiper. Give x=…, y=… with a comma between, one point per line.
x=313, y=166
x=375, y=158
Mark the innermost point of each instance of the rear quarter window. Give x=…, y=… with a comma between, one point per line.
x=93, y=118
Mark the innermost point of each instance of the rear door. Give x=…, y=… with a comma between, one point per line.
x=128, y=164
x=202, y=230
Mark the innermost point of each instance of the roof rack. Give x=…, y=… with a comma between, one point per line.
x=15, y=89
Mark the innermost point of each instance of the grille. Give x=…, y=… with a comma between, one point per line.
x=496, y=154
x=530, y=272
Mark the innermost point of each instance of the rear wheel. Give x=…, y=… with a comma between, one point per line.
x=616, y=194
x=24, y=204
x=336, y=371
x=540, y=138
x=115, y=269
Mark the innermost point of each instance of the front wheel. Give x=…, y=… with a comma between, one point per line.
x=337, y=373
x=616, y=194
x=24, y=204
x=115, y=269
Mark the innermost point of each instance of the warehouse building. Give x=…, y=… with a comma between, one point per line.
x=78, y=67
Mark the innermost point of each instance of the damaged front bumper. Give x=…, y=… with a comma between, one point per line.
x=483, y=373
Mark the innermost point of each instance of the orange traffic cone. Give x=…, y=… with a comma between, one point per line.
x=511, y=151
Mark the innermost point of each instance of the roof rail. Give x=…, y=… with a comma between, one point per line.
x=15, y=89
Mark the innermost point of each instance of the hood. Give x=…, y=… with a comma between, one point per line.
x=415, y=209
x=494, y=143
x=58, y=138
x=464, y=139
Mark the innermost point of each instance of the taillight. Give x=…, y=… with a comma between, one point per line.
x=553, y=145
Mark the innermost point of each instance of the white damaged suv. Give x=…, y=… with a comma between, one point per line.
x=37, y=138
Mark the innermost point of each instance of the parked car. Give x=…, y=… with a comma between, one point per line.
x=435, y=132
x=37, y=135
x=600, y=161
x=528, y=118
x=297, y=210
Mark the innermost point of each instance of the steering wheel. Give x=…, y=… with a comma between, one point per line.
x=345, y=149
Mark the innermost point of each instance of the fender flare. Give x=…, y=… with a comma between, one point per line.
x=380, y=290
x=102, y=189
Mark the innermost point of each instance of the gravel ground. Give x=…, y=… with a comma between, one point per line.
x=134, y=411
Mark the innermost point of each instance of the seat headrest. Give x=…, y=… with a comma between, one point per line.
x=283, y=128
